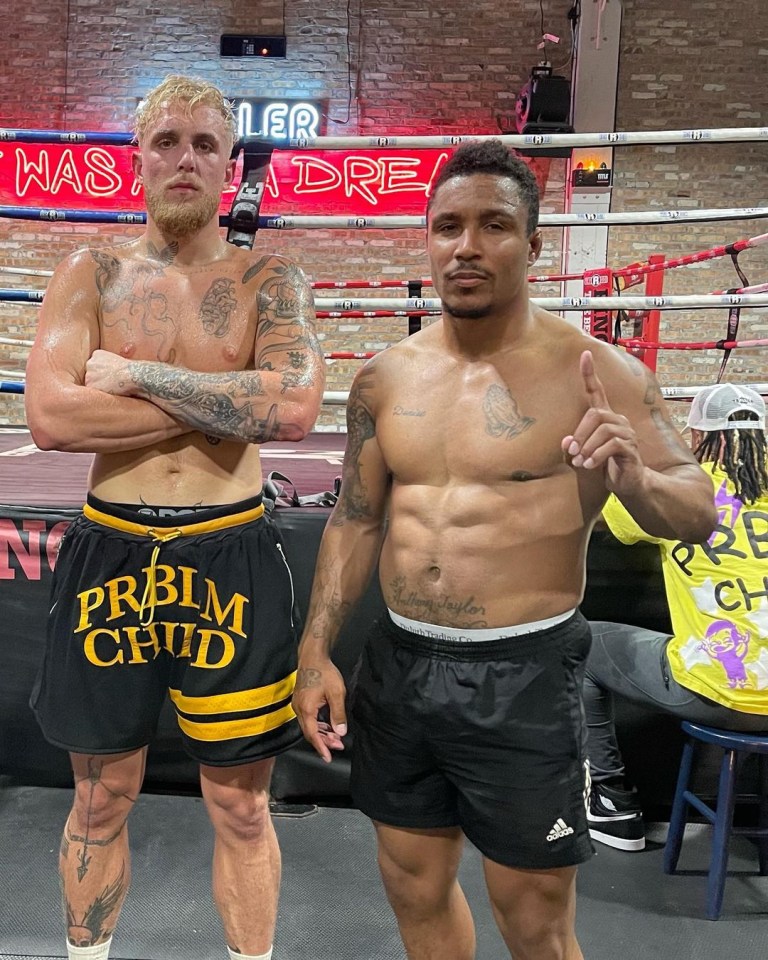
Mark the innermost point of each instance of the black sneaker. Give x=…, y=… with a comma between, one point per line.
x=615, y=818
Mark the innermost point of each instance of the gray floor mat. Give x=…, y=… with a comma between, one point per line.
x=332, y=906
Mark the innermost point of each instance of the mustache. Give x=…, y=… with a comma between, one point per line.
x=466, y=272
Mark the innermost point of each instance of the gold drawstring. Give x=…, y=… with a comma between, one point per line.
x=150, y=590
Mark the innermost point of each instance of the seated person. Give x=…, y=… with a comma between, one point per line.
x=714, y=668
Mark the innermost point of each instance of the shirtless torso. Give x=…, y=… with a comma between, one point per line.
x=243, y=320
x=479, y=454
x=488, y=521
x=171, y=358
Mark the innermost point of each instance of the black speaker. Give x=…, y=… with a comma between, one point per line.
x=543, y=106
x=249, y=45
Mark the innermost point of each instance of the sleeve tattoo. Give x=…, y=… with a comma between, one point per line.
x=239, y=404
x=218, y=404
x=353, y=503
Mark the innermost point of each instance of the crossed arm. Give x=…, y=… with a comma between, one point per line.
x=82, y=398
x=278, y=400
x=62, y=412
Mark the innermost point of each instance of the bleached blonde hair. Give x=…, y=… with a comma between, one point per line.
x=188, y=90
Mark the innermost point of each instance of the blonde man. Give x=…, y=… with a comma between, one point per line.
x=171, y=358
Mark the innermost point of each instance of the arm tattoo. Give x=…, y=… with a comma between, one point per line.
x=107, y=279
x=652, y=390
x=353, y=502
x=671, y=437
x=334, y=608
x=214, y=403
x=285, y=331
x=256, y=269
x=217, y=306
x=638, y=369
x=306, y=677
x=502, y=416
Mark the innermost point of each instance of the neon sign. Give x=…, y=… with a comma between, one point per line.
x=354, y=183
x=277, y=120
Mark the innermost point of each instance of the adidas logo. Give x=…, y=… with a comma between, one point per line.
x=559, y=830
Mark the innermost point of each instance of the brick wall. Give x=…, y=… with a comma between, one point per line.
x=698, y=67
x=412, y=67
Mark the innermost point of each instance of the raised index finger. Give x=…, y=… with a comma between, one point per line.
x=595, y=391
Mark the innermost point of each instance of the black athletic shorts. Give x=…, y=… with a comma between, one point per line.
x=488, y=736
x=198, y=606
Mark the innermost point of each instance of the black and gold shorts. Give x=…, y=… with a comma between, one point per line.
x=198, y=606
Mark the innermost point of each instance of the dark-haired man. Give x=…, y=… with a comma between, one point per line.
x=488, y=442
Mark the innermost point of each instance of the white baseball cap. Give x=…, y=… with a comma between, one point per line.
x=713, y=407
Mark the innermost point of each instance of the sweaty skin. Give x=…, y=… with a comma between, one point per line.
x=173, y=356
x=481, y=449
x=228, y=306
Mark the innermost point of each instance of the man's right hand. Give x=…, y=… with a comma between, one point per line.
x=320, y=691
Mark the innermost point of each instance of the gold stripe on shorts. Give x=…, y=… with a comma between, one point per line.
x=184, y=529
x=236, y=702
x=232, y=729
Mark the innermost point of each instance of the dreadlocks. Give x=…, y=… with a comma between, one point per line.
x=742, y=454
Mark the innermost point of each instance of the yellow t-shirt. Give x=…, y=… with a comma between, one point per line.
x=718, y=599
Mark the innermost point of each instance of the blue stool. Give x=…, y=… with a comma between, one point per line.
x=722, y=817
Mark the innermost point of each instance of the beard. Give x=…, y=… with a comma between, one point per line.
x=180, y=219
x=467, y=313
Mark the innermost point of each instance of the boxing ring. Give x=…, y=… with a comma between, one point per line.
x=332, y=904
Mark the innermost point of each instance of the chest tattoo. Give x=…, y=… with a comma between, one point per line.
x=217, y=306
x=502, y=415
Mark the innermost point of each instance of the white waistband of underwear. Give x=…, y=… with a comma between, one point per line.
x=436, y=632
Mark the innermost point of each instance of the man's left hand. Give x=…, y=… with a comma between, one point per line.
x=604, y=439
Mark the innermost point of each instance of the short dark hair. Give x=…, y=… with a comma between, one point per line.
x=491, y=156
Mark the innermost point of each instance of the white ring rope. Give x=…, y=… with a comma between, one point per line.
x=602, y=304
x=277, y=222
x=539, y=141
x=688, y=393
x=24, y=272
x=17, y=343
